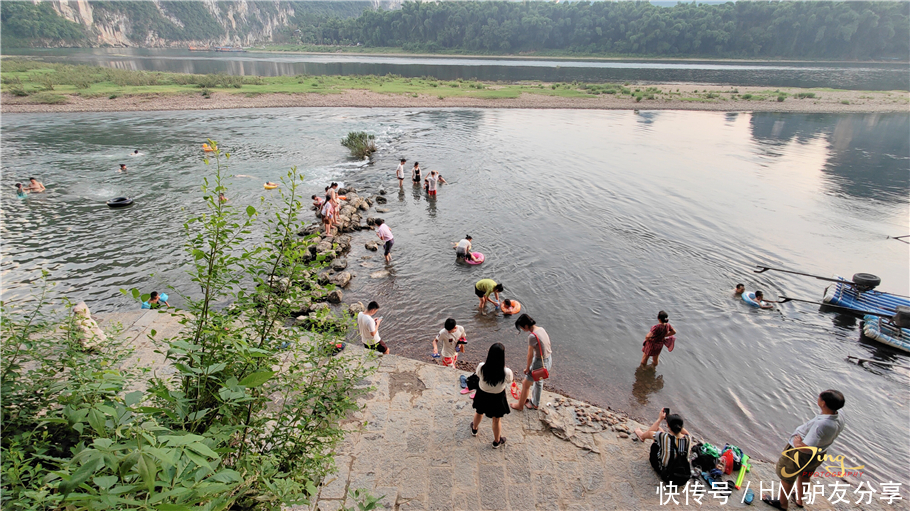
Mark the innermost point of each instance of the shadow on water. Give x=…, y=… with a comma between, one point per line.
x=865, y=159
x=647, y=382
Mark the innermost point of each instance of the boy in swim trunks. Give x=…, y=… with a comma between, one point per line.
x=451, y=336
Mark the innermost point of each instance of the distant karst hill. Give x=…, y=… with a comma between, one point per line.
x=59, y=23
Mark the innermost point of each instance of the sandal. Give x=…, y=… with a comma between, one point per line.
x=529, y=406
x=773, y=503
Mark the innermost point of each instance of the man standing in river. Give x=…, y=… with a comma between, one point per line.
x=486, y=287
x=806, y=450
x=399, y=173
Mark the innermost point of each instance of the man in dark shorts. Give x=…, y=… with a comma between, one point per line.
x=385, y=234
x=806, y=450
x=484, y=288
x=369, y=329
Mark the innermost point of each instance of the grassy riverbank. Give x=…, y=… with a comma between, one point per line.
x=393, y=51
x=31, y=86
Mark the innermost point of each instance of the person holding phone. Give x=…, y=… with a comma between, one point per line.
x=369, y=329
x=674, y=444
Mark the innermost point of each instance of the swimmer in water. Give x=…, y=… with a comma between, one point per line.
x=135, y=153
x=510, y=307
x=221, y=197
x=242, y=175
x=35, y=185
x=764, y=304
x=20, y=192
x=739, y=290
x=269, y=183
x=122, y=167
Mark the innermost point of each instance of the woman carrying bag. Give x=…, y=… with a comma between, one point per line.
x=538, y=366
x=491, y=379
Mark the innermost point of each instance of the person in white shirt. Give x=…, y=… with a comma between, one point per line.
x=463, y=249
x=451, y=337
x=433, y=180
x=806, y=450
x=369, y=329
x=399, y=173
x=490, y=399
x=385, y=234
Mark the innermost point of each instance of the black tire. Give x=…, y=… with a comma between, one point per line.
x=866, y=281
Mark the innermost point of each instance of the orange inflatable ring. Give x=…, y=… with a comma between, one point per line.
x=516, y=308
x=207, y=148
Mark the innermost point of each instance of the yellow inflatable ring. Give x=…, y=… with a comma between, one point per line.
x=269, y=187
x=516, y=308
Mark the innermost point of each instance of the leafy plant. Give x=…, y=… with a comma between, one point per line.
x=360, y=143
x=364, y=500
x=248, y=420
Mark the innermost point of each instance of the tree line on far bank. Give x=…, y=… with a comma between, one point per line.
x=795, y=30
x=827, y=30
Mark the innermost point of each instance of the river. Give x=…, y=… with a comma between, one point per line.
x=839, y=75
x=594, y=220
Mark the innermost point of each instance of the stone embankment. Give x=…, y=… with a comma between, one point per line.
x=411, y=444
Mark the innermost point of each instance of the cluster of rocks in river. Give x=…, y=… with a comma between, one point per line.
x=317, y=313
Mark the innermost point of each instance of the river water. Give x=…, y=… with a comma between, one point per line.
x=840, y=75
x=594, y=220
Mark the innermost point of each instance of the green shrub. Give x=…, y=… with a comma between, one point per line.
x=49, y=98
x=17, y=90
x=805, y=95
x=845, y=102
x=113, y=96
x=746, y=96
x=781, y=98
x=249, y=418
x=361, y=144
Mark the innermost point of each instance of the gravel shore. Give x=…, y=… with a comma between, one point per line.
x=826, y=102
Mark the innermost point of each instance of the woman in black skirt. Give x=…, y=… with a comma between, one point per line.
x=491, y=396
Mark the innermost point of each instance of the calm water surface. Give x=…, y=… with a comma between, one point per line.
x=594, y=220
x=859, y=76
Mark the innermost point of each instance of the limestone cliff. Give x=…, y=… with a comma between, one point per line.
x=156, y=23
